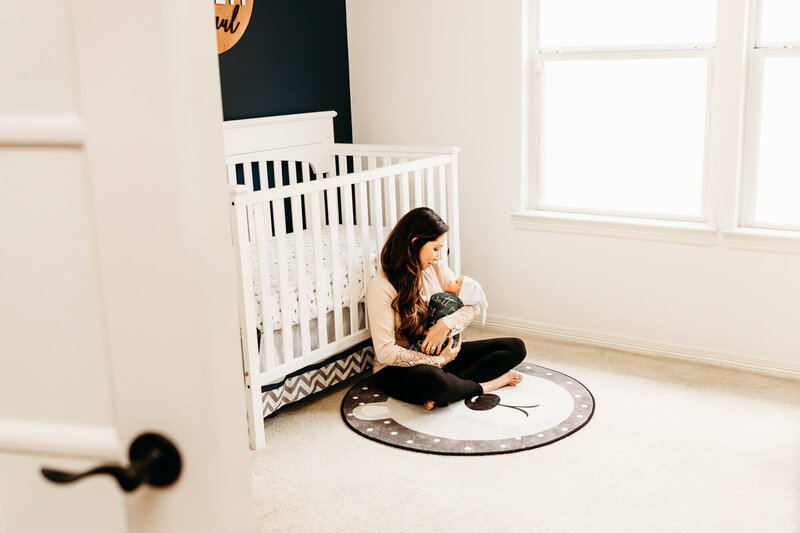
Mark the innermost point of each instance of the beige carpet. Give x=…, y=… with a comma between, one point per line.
x=672, y=447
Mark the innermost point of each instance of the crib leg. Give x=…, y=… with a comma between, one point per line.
x=255, y=408
x=255, y=418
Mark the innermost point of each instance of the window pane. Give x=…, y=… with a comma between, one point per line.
x=615, y=22
x=780, y=21
x=624, y=135
x=778, y=178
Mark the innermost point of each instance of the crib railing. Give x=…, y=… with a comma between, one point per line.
x=276, y=200
x=412, y=188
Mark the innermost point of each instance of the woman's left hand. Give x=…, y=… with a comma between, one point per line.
x=434, y=338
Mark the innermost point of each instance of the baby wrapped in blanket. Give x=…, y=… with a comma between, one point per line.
x=459, y=292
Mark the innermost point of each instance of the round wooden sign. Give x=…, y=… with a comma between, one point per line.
x=232, y=19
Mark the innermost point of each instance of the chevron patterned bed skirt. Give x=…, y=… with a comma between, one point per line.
x=314, y=378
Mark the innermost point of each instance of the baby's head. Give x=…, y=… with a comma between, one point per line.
x=454, y=287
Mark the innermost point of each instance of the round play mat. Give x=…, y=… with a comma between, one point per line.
x=545, y=407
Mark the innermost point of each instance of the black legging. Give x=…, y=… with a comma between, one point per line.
x=476, y=362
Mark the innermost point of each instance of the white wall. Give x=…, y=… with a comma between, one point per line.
x=450, y=72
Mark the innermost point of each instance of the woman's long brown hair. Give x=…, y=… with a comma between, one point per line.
x=400, y=262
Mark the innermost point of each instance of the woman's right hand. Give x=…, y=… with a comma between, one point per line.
x=451, y=352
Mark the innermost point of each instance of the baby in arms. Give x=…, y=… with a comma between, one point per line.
x=459, y=292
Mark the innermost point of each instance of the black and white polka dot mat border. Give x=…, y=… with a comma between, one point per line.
x=544, y=408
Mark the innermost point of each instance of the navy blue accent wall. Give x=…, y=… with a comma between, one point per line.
x=291, y=59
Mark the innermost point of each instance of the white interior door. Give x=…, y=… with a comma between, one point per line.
x=117, y=297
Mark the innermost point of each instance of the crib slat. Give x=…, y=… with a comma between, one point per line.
x=260, y=213
x=391, y=197
x=232, y=174
x=404, y=207
x=283, y=271
x=248, y=175
x=366, y=263
x=372, y=164
x=377, y=223
x=429, y=198
x=336, y=269
x=452, y=214
x=442, y=209
x=376, y=217
x=347, y=213
x=361, y=208
x=319, y=280
x=263, y=172
x=324, y=216
x=418, y=202
x=248, y=182
x=357, y=168
x=303, y=311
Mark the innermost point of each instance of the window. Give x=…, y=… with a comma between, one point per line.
x=622, y=109
x=771, y=196
x=624, y=135
x=680, y=115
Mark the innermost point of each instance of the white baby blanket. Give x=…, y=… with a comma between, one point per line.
x=472, y=294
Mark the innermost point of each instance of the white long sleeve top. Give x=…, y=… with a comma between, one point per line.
x=390, y=350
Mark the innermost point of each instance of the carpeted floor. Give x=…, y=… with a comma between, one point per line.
x=672, y=447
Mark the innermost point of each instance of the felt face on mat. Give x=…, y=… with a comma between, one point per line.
x=534, y=405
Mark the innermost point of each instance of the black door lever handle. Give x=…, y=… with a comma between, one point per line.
x=154, y=461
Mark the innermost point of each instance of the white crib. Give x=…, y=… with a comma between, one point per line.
x=303, y=318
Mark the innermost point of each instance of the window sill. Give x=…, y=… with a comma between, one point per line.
x=698, y=233
x=763, y=240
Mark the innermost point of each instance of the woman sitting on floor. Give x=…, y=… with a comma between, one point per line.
x=397, y=300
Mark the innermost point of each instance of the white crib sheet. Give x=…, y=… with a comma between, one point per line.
x=310, y=293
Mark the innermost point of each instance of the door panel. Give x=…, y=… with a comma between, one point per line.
x=94, y=505
x=36, y=55
x=51, y=328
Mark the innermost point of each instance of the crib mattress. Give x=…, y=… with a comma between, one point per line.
x=310, y=294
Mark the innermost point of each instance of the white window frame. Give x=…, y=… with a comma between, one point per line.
x=732, y=59
x=758, y=52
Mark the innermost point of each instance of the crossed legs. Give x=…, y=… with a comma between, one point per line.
x=481, y=366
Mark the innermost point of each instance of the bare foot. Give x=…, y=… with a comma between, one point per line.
x=509, y=378
x=428, y=405
x=514, y=378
